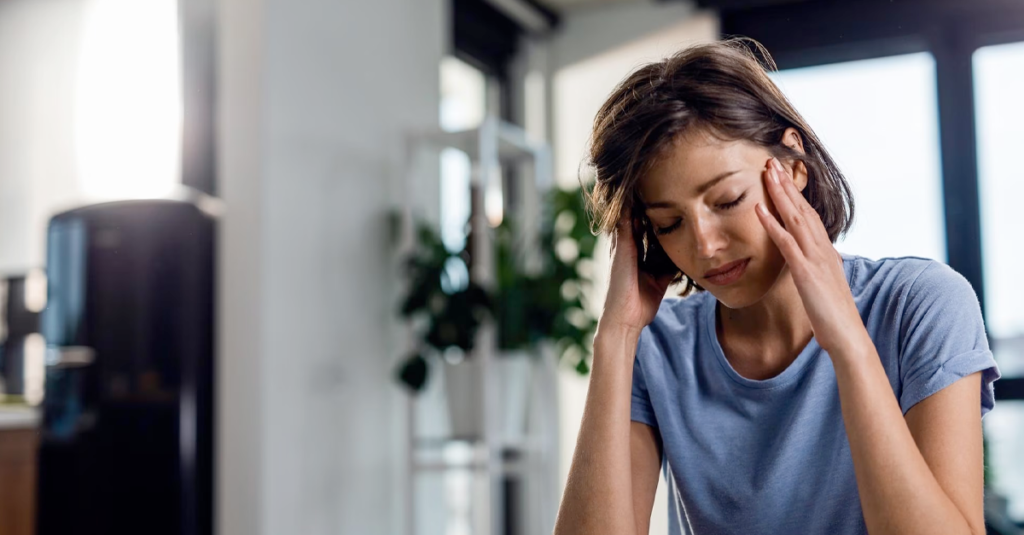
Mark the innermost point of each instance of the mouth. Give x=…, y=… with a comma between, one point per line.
x=727, y=273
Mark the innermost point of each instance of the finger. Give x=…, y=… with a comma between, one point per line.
x=783, y=204
x=811, y=217
x=789, y=186
x=792, y=217
x=785, y=241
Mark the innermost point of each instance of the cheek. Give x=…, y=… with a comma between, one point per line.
x=746, y=228
x=677, y=247
x=754, y=221
x=757, y=236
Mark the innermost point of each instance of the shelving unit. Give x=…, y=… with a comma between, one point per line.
x=532, y=459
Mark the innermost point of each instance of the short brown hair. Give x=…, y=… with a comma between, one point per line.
x=723, y=89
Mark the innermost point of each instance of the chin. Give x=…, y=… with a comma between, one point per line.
x=736, y=298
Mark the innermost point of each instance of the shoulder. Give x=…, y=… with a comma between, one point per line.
x=916, y=295
x=905, y=278
x=902, y=270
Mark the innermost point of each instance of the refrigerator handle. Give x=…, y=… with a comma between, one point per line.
x=69, y=356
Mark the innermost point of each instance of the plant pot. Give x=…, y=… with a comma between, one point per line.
x=511, y=379
x=464, y=393
x=513, y=383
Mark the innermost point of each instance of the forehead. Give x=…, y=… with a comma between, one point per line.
x=693, y=159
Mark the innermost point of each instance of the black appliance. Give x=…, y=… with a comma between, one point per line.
x=127, y=437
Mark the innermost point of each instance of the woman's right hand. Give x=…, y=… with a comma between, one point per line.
x=633, y=295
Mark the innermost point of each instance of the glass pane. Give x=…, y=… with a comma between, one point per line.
x=1004, y=434
x=463, y=106
x=998, y=84
x=463, y=95
x=128, y=120
x=878, y=119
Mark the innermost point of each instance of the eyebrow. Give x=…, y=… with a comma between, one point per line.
x=700, y=190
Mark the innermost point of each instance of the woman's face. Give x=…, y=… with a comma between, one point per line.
x=700, y=198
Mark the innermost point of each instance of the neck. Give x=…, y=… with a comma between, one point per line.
x=767, y=336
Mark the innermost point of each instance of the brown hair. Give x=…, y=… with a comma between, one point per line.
x=723, y=89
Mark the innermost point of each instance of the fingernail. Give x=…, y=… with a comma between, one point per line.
x=777, y=164
x=772, y=173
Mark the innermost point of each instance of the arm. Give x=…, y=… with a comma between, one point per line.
x=918, y=475
x=922, y=474
x=645, y=449
x=947, y=431
x=921, y=470
x=614, y=471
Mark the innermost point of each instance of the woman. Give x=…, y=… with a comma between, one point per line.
x=796, y=389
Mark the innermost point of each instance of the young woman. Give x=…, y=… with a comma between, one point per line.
x=795, y=389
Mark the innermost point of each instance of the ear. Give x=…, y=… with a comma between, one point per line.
x=791, y=138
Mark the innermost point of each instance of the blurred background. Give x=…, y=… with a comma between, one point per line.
x=321, y=267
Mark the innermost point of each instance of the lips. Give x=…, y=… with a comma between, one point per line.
x=727, y=273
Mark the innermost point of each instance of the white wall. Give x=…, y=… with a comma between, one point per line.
x=315, y=96
x=76, y=125
x=587, y=32
x=581, y=87
x=38, y=61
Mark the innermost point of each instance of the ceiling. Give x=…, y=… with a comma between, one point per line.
x=562, y=6
x=566, y=5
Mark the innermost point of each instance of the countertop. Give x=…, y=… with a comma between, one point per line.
x=18, y=417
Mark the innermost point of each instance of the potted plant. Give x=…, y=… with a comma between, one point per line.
x=532, y=304
x=449, y=311
x=539, y=300
x=546, y=304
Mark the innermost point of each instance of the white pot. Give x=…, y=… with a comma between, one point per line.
x=512, y=381
x=464, y=392
x=511, y=373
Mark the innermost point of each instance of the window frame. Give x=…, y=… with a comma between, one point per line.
x=816, y=33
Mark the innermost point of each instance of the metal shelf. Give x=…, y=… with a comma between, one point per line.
x=512, y=143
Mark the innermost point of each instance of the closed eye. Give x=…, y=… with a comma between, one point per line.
x=667, y=229
x=733, y=204
x=676, y=224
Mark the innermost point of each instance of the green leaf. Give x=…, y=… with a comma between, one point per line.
x=413, y=373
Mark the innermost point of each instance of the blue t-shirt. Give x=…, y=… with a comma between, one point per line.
x=746, y=456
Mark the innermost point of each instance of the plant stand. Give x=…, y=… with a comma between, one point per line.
x=512, y=473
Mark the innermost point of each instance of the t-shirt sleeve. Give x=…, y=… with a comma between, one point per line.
x=641, y=410
x=943, y=338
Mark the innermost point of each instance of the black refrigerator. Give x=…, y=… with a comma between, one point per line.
x=126, y=444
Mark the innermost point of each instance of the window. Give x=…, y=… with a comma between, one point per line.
x=998, y=86
x=128, y=129
x=878, y=120
x=463, y=106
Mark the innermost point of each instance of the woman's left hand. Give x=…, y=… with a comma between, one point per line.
x=816, y=266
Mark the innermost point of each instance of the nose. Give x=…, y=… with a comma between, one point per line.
x=708, y=237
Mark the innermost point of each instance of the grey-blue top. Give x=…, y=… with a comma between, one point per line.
x=746, y=456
